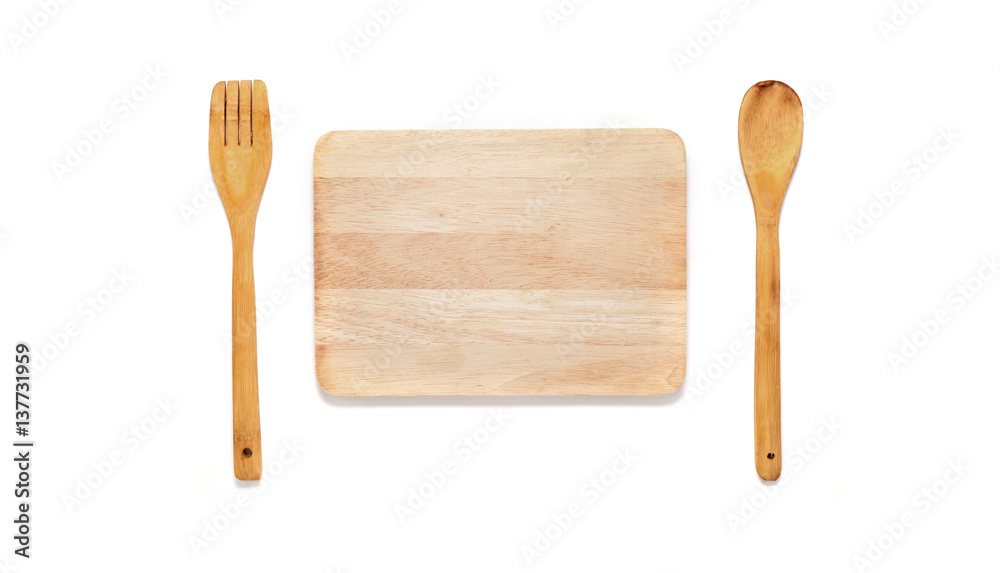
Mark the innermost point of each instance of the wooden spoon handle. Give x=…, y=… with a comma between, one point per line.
x=246, y=410
x=767, y=356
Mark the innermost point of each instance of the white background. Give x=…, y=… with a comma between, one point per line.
x=142, y=200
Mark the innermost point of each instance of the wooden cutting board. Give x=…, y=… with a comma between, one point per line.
x=506, y=262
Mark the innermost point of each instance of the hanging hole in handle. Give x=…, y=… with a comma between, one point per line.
x=770, y=455
x=247, y=452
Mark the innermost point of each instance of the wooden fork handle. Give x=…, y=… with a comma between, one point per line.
x=247, y=459
x=767, y=356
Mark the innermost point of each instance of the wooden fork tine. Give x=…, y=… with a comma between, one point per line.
x=261, y=112
x=232, y=117
x=217, y=117
x=245, y=106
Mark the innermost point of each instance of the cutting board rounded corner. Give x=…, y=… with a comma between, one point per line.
x=322, y=142
x=328, y=382
x=675, y=379
x=332, y=387
x=673, y=135
x=672, y=140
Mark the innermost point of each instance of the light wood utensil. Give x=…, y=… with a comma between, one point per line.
x=487, y=262
x=239, y=149
x=770, y=134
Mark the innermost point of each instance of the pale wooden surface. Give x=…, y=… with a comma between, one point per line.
x=770, y=135
x=239, y=147
x=500, y=262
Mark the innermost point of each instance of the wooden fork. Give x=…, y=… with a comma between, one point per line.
x=239, y=149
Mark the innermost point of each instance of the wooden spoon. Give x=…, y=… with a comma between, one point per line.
x=770, y=132
x=239, y=149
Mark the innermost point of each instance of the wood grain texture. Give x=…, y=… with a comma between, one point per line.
x=770, y=135
x=239, y=148
x=511, y=262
